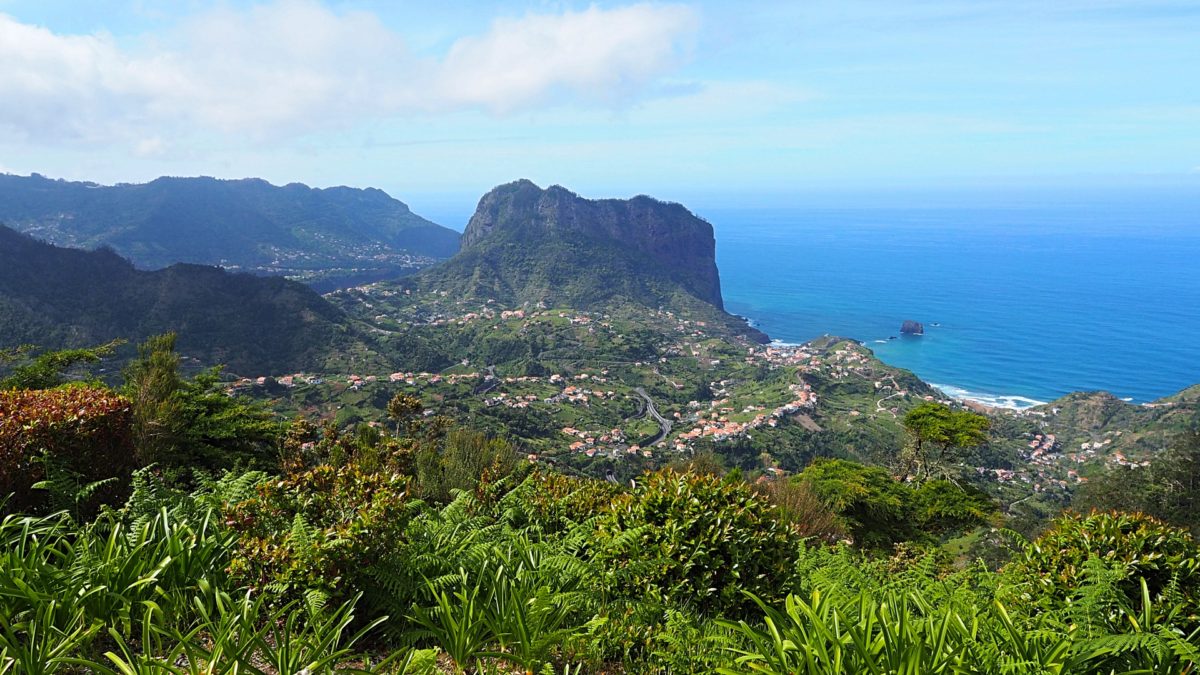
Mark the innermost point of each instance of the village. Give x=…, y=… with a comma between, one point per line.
x=600, y=414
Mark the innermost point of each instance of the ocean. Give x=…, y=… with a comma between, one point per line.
x=1021, y=304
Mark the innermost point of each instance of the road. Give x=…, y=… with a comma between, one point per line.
x=664, y=424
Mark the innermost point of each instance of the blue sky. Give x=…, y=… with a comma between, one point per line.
x=716, y=101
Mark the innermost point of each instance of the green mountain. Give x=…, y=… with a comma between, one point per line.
x=1096, y=423
x=57, y=297
x=526, y=244
x=247, y=224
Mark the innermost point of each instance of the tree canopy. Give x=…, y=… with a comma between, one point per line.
x=939, y=433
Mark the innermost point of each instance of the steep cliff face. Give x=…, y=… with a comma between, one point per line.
x=555, y=246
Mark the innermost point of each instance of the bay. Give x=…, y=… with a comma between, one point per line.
x=1020, y=304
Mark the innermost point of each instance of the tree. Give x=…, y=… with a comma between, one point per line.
x=937, y=432
x=48, y=369
x=192, y=423
x=404, y=408
x=152, y=382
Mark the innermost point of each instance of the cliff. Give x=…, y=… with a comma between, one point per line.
x=528, y=244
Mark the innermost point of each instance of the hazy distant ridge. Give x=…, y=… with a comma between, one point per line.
x=249, y=224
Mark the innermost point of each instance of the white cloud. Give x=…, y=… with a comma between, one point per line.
x=66, y=86
x=595, y=54
x=724, y=100
x=154, y=146
x=294, y=66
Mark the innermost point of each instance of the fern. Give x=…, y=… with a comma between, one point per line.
x=65, y=487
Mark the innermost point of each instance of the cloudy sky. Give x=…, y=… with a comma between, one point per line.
x=688, y=100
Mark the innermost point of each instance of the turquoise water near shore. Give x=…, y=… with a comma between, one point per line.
x=1021, y=304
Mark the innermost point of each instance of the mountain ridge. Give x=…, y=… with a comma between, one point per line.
x=57, y=297
x=247, y=224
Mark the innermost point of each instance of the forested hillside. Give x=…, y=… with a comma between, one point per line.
x=56, y=297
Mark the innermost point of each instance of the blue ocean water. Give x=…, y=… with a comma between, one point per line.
x=1020, y=304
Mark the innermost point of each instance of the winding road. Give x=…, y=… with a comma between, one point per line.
x=664, y=424
x=879, y=404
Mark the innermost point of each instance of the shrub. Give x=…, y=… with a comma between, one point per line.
x=941, y=506
x=1136, y=545
x=82, y=429
x=468, y=460
x=872, y=506
x=317, y=534
x=694, y=538
x=555, y=502
x=798, y=505
x=192, y=423
x=879, y=511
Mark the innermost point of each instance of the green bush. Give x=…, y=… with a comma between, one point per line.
x=879, y=511
x=144, y=590
x=695, y=539
x=798, y=505
x=942, y=507
x=317, y=534
x=466, y=460
x=872, y=506
x=555, y=503
x=1055, y=565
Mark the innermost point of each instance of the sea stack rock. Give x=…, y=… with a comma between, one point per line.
x=911, y=327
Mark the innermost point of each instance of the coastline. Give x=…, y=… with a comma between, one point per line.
x=982, y=401
x=986, y=400
x=866, y=269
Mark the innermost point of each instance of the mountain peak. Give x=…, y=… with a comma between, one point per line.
x=551, y=245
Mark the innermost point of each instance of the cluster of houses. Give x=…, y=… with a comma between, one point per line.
x=1043, y=454
x=842, y=362
x=1040, y=445
x=716, y=425
x=573, y=394
x=295, y=379
x=611, y=443
x=1119, y=459
x=413, y=379
x=559, y=379
x=504, y=399
x=782, y=355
